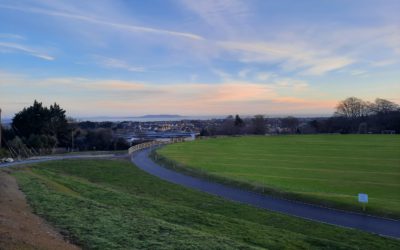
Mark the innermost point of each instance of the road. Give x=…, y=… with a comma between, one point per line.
x=372, y=224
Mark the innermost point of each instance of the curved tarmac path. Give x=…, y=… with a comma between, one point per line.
x=372, y=224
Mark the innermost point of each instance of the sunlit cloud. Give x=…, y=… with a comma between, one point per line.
x=83, y=95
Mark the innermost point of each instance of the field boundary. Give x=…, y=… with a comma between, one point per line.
x=265, y=190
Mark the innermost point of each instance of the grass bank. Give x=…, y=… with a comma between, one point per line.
x=329, y=170
x=111, y=204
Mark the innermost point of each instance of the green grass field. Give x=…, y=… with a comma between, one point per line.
x=325, y=169
x=111, y=204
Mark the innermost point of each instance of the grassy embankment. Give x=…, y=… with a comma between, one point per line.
x=111, y=204
x=325, y=169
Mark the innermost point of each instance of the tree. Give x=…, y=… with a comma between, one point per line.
x=40, y=120
x=238, y=121
x=352, y=108
x=383, y=106
x=238, y=125
x=18, y=148
x=58, y=124
x=31, y=120
x=87, y=125
x=100, y=139
x=228, y=126
x=208, y=131
x=290, y=123
x=42, y=142
x=258, y=125
x=121, y=144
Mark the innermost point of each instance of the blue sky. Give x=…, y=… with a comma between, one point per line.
x=209, y=57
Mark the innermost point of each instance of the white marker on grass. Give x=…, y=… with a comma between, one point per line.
x=363, y=198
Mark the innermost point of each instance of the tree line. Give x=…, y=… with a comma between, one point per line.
x=40, y=130
x=257, y=125
x=352, y=115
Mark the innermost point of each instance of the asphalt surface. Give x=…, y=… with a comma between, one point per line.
x=372, y=224
x=53, y=158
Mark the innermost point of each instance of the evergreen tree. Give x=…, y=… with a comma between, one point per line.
x=39, y=120
x=238, y=121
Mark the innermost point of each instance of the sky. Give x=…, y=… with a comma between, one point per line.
x=191, y=57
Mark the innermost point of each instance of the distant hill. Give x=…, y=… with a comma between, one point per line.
x=160, y=116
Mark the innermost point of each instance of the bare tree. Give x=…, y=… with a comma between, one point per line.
x=352, y=108
x=384, y=106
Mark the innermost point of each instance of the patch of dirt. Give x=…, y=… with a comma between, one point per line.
x=19, y=227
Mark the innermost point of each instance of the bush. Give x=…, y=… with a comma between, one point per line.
x=121, y=144
x=4, y=153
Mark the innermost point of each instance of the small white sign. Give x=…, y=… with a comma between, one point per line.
x=363, y=198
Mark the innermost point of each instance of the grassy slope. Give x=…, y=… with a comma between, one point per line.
x=104, y=204
x=328, y=169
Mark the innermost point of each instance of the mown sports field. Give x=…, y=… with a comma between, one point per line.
x=325, y=169
x=111, y=204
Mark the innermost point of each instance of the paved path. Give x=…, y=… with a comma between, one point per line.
x=385, y=227
x=53, y=158
x=381, y=226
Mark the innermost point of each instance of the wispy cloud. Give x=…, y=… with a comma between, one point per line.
x=109, y=62
x=383, y=63
x=115, y=25
x=85, y=84
x=358, y=72
x=11, y=36
x=141, y=97
x=267, y=79
x=243, y=73
x=264, y=76
x=364, y=40
x=216, y=56
x=224, y=76
x=308, y=61
x=8, y=46
x=222, y=15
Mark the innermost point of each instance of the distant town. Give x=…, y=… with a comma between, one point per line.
x=165, y=127
x=38, y=130
x=189, y=129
